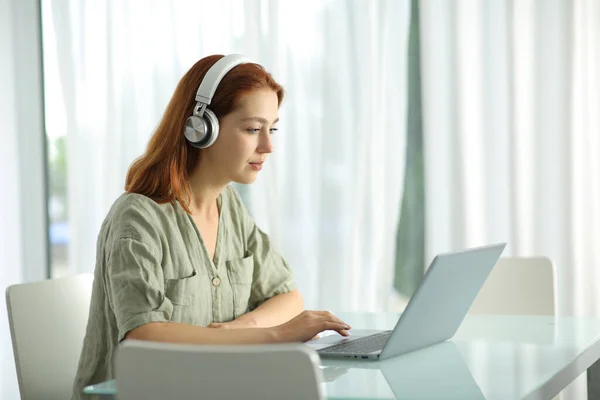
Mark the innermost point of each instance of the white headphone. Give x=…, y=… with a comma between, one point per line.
x=202, y=127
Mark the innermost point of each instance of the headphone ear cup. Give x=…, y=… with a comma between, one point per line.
x=212, y=123
x=195, y=130
x=202, y=132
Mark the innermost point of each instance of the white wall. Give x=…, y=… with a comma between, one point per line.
x=23, y=249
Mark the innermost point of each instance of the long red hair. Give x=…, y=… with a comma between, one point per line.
x=161, y=173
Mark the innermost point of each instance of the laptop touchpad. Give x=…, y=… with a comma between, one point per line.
x=329, y=338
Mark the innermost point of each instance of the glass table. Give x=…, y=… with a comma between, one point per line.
x=490, y=357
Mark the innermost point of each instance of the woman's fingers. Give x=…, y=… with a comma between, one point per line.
x=306, y=325
x=342, y=329
x=332, y=318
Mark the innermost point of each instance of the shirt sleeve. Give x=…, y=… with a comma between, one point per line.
x=135, y=286
x=272, y=274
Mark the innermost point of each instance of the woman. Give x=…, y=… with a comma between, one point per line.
x=179, y=259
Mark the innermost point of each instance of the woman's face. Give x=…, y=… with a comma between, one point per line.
x=244, y=141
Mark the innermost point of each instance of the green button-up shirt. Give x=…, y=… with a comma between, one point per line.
x=152, y=266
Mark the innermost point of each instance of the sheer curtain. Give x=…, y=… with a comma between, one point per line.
x=330, y=194
x=512, y=150
x=11, y=246
x=23, y=229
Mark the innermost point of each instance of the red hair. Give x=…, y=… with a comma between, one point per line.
x=161, y=173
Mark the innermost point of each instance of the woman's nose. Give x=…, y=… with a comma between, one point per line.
x=265, y=144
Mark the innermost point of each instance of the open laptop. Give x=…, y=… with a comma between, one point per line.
x=433, y=314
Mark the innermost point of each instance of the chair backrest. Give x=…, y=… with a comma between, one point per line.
x=518, y=286
x=47, y=325
x=150, y=370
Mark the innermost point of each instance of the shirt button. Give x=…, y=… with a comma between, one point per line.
x=216, y=281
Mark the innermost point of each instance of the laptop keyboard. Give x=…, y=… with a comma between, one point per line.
x=364, y=345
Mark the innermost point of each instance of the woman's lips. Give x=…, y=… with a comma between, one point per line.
x=256, y=166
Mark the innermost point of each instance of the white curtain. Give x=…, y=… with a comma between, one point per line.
x=511, y=139
x=23, y=228
x=10, y=175
x=11, y=261
x=330, y=195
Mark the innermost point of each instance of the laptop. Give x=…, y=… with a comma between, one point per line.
x=433, y=314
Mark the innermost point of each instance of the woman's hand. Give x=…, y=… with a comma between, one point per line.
x=309, y=324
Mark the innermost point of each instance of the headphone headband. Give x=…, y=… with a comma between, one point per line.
x=202, y=127
x=214, y=75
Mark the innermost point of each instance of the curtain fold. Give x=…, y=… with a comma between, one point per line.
x=410, y=236
x=11, y=235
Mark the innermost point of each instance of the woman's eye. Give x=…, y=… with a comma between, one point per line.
x=257, y=130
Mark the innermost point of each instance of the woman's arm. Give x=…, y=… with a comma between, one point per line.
x=299, y=329
x=275, y=311
x=175, y=332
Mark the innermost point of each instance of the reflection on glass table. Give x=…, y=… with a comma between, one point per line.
x=432, y=373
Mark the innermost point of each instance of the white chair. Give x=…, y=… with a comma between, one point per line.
x=518, y=286
x=47, y=326
x=150, y=370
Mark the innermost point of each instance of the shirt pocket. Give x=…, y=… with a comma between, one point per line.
x=182, y=292
x=240, y=274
